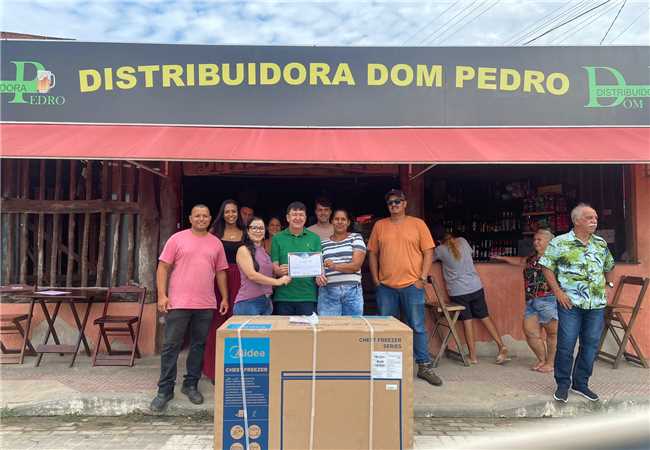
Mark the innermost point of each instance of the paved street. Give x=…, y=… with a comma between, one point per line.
x=167, y=433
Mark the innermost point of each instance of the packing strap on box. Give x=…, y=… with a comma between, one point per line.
x=243, y=381
x=372, y=385
x=314, y=354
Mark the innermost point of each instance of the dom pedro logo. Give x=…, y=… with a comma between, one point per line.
x=601, y=95
x=34, y=91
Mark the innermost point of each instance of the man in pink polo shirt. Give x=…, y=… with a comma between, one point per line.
x=186, y=271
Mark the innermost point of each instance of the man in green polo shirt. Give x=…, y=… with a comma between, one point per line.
x=300, y=296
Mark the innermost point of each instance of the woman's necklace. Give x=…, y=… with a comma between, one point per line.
x=231, y=235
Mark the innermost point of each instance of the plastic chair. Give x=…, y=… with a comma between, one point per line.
x=114, y=325
x=444, y=316
x=616, y=318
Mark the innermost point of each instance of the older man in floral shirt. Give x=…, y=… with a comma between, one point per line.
x=577, y=266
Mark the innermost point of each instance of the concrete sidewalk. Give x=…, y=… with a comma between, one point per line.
x=483, y=390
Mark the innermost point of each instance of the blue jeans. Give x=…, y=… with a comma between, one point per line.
x=574, y=323
x=411, y=302
x=341, y=299
x=294, y=308
x=258, y=306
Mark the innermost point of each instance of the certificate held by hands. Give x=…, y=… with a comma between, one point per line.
x=305, y=264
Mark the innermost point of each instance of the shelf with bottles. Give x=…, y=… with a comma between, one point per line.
x=485, y=249
x=538, y=213
x=545, y=210
x=556, y=222
x=502, y=221
x=544, y=204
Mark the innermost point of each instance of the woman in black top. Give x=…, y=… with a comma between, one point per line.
x=228, y=227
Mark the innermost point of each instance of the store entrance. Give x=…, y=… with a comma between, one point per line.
x=269, y=188
x=269, y=196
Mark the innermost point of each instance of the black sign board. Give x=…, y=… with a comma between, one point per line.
x=324, y=87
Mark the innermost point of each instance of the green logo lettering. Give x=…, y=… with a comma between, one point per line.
x=20, y=86
x=619, y=91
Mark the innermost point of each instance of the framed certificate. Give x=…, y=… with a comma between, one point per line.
x=305, y=264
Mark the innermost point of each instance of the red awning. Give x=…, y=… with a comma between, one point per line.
x=401, y=145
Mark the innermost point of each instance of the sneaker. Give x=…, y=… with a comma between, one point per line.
x=160, y=401
x=586, y=393
x=425, y=371
x=193, y=394
x=561, y=395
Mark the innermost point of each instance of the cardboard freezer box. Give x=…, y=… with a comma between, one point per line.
x=278, y=359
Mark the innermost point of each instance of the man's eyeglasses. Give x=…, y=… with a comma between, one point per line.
x=256, y=228
x=396, y=202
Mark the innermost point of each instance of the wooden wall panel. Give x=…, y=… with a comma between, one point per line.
x=63, y=210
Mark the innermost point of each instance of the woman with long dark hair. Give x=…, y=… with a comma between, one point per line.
x=256, y=273
x=465, y=288
x=228, y=227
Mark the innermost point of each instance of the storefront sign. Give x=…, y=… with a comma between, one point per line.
x=104, y=83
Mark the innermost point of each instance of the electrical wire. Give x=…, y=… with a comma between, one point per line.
x=584, y=23
x=429, y=23
x=530, y=41
x=472, y=20
x=459, y=21
x=444, y=24
x=613, y=22
x=543, y=22
x=630, y=25
x=582, y=5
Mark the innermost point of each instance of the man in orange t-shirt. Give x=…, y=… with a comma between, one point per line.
x=400, y=253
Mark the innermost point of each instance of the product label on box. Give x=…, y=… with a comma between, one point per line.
x=249, y=326
x=387, y=365
x=255, y=355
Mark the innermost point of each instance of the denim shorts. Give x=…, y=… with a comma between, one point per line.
x=544, y=307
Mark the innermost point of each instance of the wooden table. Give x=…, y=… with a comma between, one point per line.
x=73, y=297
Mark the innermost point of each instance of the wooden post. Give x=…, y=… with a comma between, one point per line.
x=130, y=224
x=84, y=240
x=170, y=216
x=54, y=255
x=71, y=224
x=101, y=251
x=414, y=189
x=40, y=248
x=115, y=224
x=170, y=197
x=24, y=218
x=8, y=221
x=149, y=231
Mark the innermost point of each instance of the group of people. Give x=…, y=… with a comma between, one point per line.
x=238, y=264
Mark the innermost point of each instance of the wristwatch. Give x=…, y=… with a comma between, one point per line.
x=610, y=284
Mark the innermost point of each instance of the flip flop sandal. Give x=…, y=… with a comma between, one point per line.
x=502, y=357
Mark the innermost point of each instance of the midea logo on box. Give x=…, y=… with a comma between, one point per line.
x=236, y=353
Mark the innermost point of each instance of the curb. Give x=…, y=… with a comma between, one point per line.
x=549, y=409
x=139, y=404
